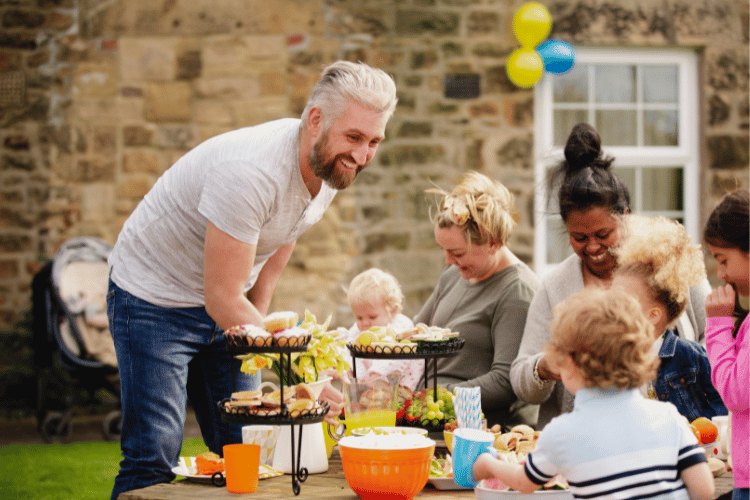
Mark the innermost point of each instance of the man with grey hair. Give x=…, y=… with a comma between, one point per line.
x=204, y=249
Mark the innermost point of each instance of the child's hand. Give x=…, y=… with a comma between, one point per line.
x=482, y=468
x=720, y=302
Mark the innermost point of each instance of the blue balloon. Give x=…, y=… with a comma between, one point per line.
x=558, y=56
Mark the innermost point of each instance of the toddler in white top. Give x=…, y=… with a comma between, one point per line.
x=376, y=299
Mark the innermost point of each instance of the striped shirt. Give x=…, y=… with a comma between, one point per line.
x=617, y=445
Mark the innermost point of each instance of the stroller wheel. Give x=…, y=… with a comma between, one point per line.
x=55, y=428
x=112, y=426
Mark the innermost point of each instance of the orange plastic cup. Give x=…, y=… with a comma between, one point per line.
x=242, y=462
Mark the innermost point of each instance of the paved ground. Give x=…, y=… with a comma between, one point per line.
x=83, y=428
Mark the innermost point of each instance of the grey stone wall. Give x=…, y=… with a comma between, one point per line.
x=99, y=97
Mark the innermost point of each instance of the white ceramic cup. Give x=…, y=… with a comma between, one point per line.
x=264, y=436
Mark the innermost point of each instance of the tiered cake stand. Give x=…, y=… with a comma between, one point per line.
x=282, y=415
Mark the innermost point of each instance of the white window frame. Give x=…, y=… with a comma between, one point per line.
x=686, y=153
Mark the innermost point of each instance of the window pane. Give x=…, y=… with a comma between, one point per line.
x=662, y=188
x=616, y=128
x=660, y=128
x=571, y=86
x=558, y=247
x=628, y=177
x=614, y=83
x=660, y=83
x=564, y=121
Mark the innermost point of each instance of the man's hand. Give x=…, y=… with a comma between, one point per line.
x=720, y=302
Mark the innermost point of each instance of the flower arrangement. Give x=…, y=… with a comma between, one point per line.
x=323, y=353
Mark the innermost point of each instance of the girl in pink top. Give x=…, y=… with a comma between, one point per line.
x=727, y=236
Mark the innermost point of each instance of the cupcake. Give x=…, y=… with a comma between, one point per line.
x=248, y=334
x=280, y=320
x=293, y=336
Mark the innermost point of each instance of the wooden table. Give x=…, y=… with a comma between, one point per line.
x=330, y=485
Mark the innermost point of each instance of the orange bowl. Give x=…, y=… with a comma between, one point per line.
x=386, y=474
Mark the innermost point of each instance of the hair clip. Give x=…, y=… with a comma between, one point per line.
x=460, y=214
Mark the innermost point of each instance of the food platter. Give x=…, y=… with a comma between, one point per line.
x=445, y=483
x=187, y=469
x=423, y=349
x=483, y=492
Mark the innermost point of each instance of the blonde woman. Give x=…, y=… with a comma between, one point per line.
x=657, y=263
x=483, y=294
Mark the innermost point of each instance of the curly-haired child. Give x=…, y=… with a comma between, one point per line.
x=615, y=443
x=657, y=263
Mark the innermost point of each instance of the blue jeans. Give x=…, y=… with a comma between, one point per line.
x=740, y=494
x=166, y=357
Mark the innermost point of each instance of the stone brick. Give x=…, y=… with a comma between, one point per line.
x=14, y=243
x=148, y=58
x=517, y=152
x=16, y=40
x=239, y=56
x=105, y=140
x=245, y=88
x=169, y=102
x=134, y=187
x=97, y=110
x=137, y=135
x=95, y=80
x=212, y=111
x=273, y=83
x=178, y=137
x=414, y=129
x=189, y=65
x=17, y=18
x=424, y=59
x=728, y=151
x=57, y=21
x=16, y=142
x=728, y=70
x=520, y=113
x=136, y=161
x=483, y=23
x=426, y=22
x=484, y=108
x=95, y=170
x=718, y=110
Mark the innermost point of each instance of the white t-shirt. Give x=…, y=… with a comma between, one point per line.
x=246, y=182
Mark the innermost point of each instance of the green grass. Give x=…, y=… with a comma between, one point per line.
x=65, y=471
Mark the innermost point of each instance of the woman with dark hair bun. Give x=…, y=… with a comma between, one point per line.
x=592, y=199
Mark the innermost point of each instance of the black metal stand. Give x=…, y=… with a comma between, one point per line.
x=429, y=352
x=299, y=473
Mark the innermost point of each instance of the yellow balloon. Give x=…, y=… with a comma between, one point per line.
x=524, y=67
x=532, y=23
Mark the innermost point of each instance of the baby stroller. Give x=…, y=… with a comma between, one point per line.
x=72, y=343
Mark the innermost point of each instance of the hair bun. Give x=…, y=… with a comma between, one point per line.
x=583, y=147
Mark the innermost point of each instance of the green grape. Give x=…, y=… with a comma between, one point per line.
x=430, y=414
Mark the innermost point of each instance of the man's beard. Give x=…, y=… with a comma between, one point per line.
x=325, y=168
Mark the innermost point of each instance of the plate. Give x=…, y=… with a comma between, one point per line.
x=483, y=493
x=445, y=483
x=186, y=468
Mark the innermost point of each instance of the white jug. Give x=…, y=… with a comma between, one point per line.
x=722, y=446
x=313, y=456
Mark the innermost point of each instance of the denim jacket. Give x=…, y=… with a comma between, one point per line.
x=684, y=379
